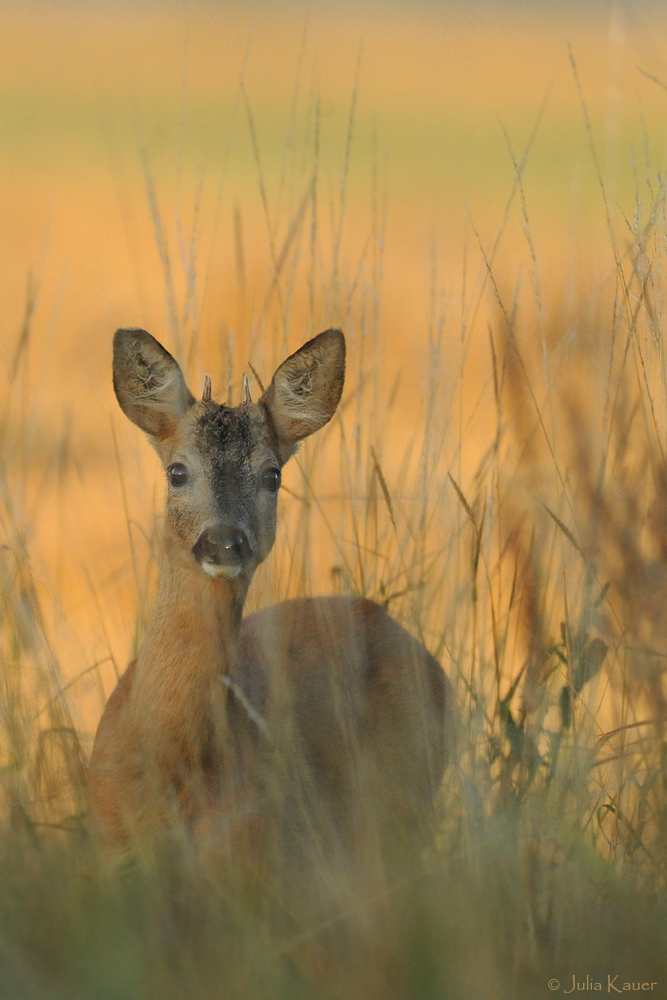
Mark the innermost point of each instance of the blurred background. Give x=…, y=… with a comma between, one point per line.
x=235, y=177
x=475, y=193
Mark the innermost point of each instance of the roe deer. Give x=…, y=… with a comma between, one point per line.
x=314, y=710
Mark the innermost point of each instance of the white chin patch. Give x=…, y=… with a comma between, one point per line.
x=216, y=571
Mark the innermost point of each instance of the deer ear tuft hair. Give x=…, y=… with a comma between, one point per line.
x=306, y=389
x=148, y=383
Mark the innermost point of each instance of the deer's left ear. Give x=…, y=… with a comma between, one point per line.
x=148, y=383
x=306, y=389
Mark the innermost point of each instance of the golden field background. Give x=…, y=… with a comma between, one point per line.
x=475, y=193
x=210, y=123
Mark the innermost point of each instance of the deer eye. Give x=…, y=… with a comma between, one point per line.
x=178, y=474
x=271, y=480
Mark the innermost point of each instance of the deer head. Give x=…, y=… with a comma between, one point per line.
x=223, y=463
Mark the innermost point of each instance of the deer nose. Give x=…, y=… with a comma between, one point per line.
x=222, y=546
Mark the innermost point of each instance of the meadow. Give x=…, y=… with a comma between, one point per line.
x=475, y=195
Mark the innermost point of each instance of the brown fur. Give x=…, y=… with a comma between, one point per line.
x=311, y=717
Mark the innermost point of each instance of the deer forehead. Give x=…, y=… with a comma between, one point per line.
x=235, y=437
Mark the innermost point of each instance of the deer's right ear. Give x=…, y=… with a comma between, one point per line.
x=148, y=383
x=306, y=389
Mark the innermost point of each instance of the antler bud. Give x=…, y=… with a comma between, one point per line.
x=247, y=398
x=206, y=394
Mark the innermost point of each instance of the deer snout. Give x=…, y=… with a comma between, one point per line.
x=222, y=550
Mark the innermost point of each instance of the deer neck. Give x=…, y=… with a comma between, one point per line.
x=190, y=641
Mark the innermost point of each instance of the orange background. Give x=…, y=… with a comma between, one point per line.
x=104, y=108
